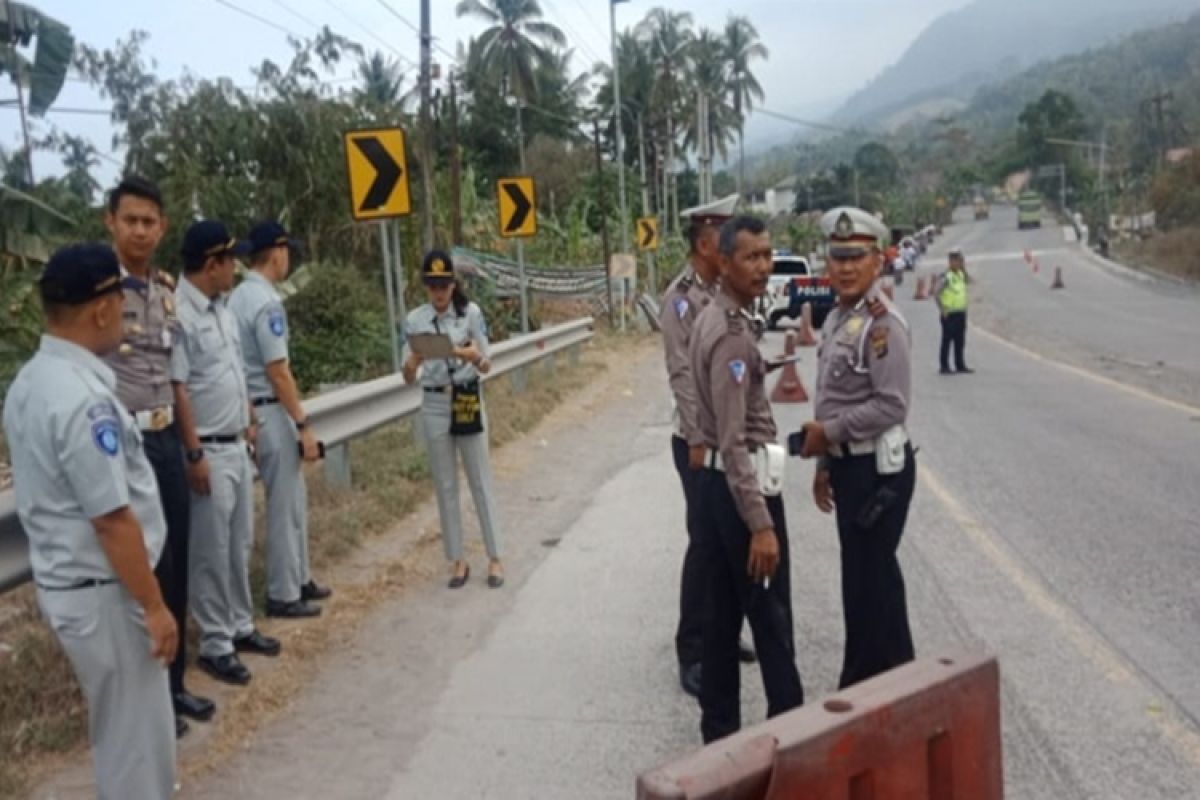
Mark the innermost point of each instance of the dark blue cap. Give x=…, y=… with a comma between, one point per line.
x=209, y=238
x=437, y=267
x=79, y=273
x=268, y=234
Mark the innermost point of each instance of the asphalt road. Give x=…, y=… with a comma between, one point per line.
x=1054, y=525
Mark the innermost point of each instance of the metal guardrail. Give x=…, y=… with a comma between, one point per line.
x=336, y=418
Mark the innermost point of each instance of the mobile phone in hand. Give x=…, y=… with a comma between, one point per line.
x=796, y=442
x=320, y=449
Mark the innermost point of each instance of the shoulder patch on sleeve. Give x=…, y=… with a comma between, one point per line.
x=879, y=340
x=106, y=435
x=737, y=368
x=681, y=307
x=103, y=409
x=275, y=321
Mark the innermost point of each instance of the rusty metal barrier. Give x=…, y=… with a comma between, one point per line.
x=929, y=730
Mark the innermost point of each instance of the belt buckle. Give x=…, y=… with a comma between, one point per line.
x=158, y=419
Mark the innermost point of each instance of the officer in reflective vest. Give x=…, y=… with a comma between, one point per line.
x=950, y=292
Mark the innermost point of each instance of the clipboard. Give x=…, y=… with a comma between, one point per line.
x=431, y=345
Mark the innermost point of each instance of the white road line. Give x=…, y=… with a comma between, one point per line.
x=1076, y=630
x=1083, y=373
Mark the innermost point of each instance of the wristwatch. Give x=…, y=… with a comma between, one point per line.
x=302, y=424
x=194, y=456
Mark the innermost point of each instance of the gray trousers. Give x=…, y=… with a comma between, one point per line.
x=287, y=504
x=131, y=724
x=444, y=451
x=222, y=531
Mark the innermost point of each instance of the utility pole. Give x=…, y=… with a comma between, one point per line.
x=603, y=220
x=456, y=234
x=427, y=154
x=521, y=242
x=618, y=117
x=651, y=267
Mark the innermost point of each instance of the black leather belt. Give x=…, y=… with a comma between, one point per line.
x=90, y=583
x=265, y=401
x=437, y=389
x=232, y=438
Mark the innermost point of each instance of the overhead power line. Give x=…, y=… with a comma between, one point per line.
x=798, y=121
x=263, y=20
x=353, y=21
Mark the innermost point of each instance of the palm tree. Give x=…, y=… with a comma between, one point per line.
x=742, y=46
x=712, y=124
x=669, y=35
x=382, y=82
x=516, y=44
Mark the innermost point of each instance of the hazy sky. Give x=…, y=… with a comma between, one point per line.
x=821, y=50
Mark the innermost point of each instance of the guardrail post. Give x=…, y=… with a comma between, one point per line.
x=336, y=464
x=519, y=379
x=573, y=354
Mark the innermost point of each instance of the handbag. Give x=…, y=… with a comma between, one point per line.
x=466, y=409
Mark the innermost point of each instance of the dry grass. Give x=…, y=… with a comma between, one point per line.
x=42, y=716
x=1176, y=253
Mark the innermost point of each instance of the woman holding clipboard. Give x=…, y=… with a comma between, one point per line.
x=446, y=344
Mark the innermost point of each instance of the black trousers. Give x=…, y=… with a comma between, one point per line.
x=165, y=452
x=732, y=597
x=873, y=603
x=689, y=636
x=954, y=333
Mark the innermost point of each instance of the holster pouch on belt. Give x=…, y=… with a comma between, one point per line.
x=466, y=409
x=889, y=450
x=769, y=463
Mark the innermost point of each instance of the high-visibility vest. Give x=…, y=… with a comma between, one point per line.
x=954, y=292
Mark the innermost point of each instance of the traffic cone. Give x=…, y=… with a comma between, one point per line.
x=789, y=388
x=1036, y=267
x=921, y=292
x=807, y=337
x=1029, y=258
x=1058, y=281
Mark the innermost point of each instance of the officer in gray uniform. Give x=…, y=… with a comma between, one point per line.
x=142, y=365
x=686, y=297
x=866, y=461
x=284, y=437
x=452, y=413
x=87, y=499
x=743, y=535
x=215, y=420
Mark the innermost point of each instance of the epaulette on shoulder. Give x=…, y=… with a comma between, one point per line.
x=735, y=321
x=687, y=281
x=165, y=278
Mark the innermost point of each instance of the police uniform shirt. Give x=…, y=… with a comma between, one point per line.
x=142, y=362
x=686, y=297
x=76, y=455
x=864, y=381
x=208, y=360
x=734, y=414
x=263, y=327
x=462, y=330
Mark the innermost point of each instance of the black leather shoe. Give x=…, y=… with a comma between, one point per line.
x=255, y=642
x=225, y=668
x=181, y=727
x=189, y=705
x=297, y=609
x=689, y=679
x=459, y=581
x=966, y=371
x=314, y=591
x=746, y=653
x=944, y=371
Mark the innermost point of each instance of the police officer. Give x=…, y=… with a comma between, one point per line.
x=743, y=533
x=686, y=297
x=950, y=292
x=263, y=326
x=866, y=462
x=216, y=422
x=142, y=365
x=452, y=418
x=87, y=499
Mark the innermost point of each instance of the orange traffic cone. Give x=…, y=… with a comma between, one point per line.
x=1058, y=281
x=807, y=337
x=1028, y=257
x=921, y=292
x=789, y=388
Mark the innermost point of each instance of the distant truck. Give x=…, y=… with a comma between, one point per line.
x=792, y=284
x=1029, y=210
x=982, y=211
